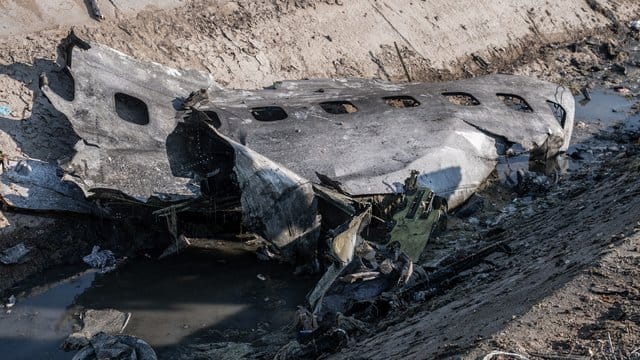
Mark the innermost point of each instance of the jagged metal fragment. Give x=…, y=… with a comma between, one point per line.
x=278, y=204
x=37, y=185
x=124, y=111
x=346, y=219
x=383, y=130
x=420, y=213
x=343, y=287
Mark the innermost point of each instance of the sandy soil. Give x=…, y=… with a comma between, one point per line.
x=570, y=283
x=19, y=17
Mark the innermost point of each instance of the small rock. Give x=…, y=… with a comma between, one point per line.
x=622, y=90
x=261, y=277
x=181, y=243
x=104, y=260
x=619, y=68
x=11, y=302
x=14, y=255
x=107, y=321
x=386, y=267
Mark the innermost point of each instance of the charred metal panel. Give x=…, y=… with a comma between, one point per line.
x=366, y=148
x=124, y=111
x=278, y=204
x=371, y=151
x=36, y=185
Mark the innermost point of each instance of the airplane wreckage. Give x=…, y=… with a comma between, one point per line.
x=308, y=165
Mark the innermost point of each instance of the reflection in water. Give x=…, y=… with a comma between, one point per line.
x=606, y=107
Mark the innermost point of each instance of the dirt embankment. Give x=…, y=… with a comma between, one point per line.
x=19, y=17
x=252, y=44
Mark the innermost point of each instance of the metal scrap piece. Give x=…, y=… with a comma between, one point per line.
x=105, y=346
x=124, y=111
x=95, y=9
x=345, y=218
x=103, y=260
x=37, y=185
x=419, y=215
x=14, y=254
x=276, y=202
x=345, y=238
x=335, y=293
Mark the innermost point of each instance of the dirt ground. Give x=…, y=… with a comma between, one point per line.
x=568, y=287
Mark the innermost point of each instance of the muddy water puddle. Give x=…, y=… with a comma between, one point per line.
x=596, y=120
x=201, y=293
x=35, y=326
x=606, y=109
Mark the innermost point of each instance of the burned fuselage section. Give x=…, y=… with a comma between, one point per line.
x=308, y=164
x=366, y=136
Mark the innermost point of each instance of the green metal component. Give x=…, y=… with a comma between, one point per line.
x=420, y=213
